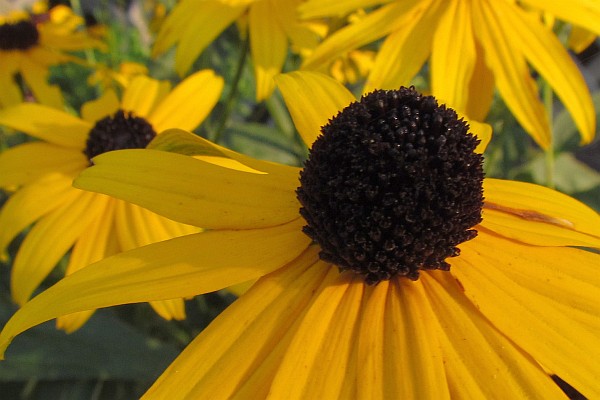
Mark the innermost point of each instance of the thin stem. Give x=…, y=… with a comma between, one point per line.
x=233, y=91
x=549, y=152
x=89, y=53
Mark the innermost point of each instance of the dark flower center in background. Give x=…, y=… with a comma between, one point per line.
x=20, y=35
x=392, y=186
x=121, y=131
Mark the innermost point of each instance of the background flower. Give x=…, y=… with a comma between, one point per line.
x=94, y=225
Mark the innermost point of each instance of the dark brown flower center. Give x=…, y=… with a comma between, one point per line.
x=392, y=186
x=20, y=35
x=120, y=131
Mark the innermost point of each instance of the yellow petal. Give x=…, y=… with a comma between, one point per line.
x=450, y=75
x=181, y=267
x=547, y=55
x=70, y=323
x=545, y=300
x=24, y=207
x=10, y=94
x=585, y=13
x=312, y=99
x=169, y=309
x=483, y=132
x=315, y=365
x=511, y=73
x=25, y=163
x=171, y=29
x=538, y=215
x=580, y=39
x=366, y=30
x=405, y=50
x=480, y=362
x=142, y=95
x=411, y=364
x=36, y=77
x=107, y=104
x=210, y=19
x=481, y=88
x=268, y=44
x=189, y=103
x=259, y=325
x=203, y=195
x=48, y=241
x=328, y=8
x=47, y=123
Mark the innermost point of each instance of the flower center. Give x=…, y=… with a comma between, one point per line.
x=392, y=186
x=121, y=131
x=21, y=35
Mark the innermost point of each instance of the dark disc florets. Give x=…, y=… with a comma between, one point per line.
x=20, y=35
x=392, y=186
x=120, y=131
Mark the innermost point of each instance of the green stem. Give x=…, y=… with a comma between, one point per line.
x=549, y=152
x=233, y=91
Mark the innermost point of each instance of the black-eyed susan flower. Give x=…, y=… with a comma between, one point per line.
x=387, y=268
x=32, y=42
x=473, y=47
x=272, y=25
x=93, y=225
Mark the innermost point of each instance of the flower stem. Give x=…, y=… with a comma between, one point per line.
x=549, y=152
x=233, y=91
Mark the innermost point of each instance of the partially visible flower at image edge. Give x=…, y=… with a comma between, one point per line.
x=32, y=42
x=93, y=224
x=472, y=48
x=490, y=317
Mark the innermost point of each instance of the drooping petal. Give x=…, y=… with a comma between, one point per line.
x=210, y=19
x=143, y=94
x=367, y=30
x=450, y=75
x=480, y=362
x=47, y=123
x=403, y=359
x=203, y=194
x=181, y=267
x=329, y=8
x=268, y=44
x=537, y=215
x=36, y=77
x=481, y=88
x=405, y=50
x=543, y=299
x=315, y=364
x=259, y=326
x=107, y=104
x=25, y=163
x=24, y=207
x=548, y=56
x=312, y=100
x=171, y=29
x=48, y=241
x=189, y=103
x=94, y=244
x=10, y=95
x=511, y=73
x=169, y=309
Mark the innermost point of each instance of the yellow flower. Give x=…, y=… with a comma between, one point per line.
x=388, y=192
x=472, y=47
x=30, y=44
x=94, y=225
x=107, y=78
x=194, y=24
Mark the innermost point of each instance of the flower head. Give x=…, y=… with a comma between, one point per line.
x=93, y=224
x=32, y=42
x=519, y=301
x=473, y=47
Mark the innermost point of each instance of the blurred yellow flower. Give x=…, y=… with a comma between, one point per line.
x=472, y=47
x=32, y=42
x=94, y=225
x=271, y=24
x=108, y=78
x=391, y=195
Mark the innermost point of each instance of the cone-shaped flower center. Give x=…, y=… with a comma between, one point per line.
x=392, y=186
x=20, y=35
x=121, y=131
